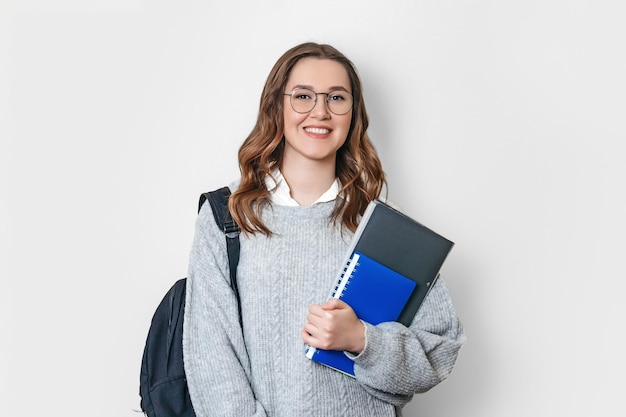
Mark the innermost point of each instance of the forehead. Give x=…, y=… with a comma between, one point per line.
x=318, y=73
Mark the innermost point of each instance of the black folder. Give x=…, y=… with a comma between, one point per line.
x=403, y=245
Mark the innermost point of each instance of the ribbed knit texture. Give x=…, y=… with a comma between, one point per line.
x=279, y=277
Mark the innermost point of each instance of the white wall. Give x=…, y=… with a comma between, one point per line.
x=500, y=124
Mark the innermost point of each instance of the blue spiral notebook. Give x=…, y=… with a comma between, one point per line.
x=376, y=294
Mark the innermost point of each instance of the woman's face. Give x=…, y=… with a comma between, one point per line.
x=318, y=134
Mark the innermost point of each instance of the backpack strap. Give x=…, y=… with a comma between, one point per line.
x=219, y=205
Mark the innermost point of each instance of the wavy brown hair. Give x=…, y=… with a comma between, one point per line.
x=357, y=164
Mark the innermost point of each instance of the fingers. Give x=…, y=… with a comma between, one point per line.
x=312, y=341
x=334, y=304
x=319, y=328
x=329, y=312
x=333, y=325
x=316, y=310
x=320, y=323
x=318, y=337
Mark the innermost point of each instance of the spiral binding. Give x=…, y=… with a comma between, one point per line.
x=344, y=280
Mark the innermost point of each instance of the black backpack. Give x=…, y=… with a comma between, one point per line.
x=162, y=383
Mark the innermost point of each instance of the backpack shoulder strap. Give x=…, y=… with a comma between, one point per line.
x=219, y=205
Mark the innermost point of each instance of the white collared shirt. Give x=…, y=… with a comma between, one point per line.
x=280, y=193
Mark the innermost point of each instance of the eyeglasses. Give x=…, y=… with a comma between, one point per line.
x=303, y=100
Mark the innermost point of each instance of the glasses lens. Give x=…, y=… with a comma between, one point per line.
x=302, y=100
x=339, y=102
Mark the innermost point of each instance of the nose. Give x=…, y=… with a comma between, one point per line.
x=320, y=109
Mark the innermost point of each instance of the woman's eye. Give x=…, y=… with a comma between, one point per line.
x=303, y=97
x=336, y=97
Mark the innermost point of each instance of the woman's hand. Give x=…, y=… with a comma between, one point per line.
x=334, y=326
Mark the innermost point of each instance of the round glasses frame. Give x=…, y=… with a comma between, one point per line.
x=330, y=100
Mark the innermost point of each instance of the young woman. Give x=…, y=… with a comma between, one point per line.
x=308, y=171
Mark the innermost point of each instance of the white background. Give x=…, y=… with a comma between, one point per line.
x=500, y=125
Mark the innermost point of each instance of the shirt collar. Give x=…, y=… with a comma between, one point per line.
x=280, y=194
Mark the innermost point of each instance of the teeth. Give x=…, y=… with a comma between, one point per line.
x=318, y=130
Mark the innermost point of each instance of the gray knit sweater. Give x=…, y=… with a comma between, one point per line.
x=261, y=370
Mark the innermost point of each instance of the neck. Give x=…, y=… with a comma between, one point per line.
x=308, y=180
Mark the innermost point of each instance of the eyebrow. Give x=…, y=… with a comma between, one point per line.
x=333, y=88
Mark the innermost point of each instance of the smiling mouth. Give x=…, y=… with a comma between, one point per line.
x=317, y=130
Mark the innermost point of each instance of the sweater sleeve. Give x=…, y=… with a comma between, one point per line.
x=215, y=358
x=398, y=362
